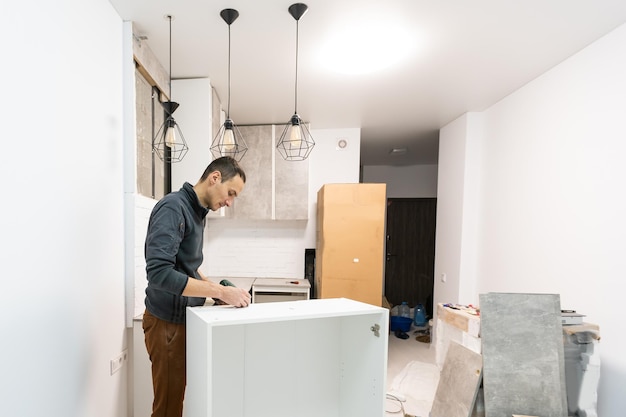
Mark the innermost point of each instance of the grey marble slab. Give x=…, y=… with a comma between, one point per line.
x=522, y=345
x=255, y=202
x=292, y=188
x=458, y=384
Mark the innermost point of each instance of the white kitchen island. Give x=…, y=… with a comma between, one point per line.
x=307, y=358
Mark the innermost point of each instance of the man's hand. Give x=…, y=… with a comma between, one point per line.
x=237, y=297
x=233, y=296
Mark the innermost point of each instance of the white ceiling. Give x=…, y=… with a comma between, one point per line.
x=465, y=56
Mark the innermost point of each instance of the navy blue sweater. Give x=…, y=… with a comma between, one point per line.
x=173, y=252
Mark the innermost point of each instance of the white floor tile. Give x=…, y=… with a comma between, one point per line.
x=411, y=364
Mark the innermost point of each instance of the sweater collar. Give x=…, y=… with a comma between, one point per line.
x=190, y=193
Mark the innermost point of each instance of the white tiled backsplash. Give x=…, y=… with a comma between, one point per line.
x=262, y=249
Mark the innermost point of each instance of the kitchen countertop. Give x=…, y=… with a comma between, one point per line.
x=282, y=283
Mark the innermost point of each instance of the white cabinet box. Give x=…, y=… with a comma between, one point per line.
x=307, y=358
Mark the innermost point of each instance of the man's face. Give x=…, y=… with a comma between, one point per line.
x=223, y=193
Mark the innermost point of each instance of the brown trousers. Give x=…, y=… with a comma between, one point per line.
x=165, y=343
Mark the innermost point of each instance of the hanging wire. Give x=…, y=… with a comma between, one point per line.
x=296, y=87
x=169, y=16
x=228, y=109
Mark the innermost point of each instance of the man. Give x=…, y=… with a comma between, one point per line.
x=173, y=252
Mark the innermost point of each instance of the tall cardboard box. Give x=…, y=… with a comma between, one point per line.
x=351, y=242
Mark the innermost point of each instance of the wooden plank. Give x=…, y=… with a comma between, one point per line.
x=459, y=319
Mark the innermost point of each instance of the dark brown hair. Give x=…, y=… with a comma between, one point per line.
x=227, y=166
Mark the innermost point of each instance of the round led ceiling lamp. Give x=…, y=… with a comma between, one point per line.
x=367, y=43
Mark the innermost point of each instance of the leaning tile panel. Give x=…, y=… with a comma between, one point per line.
x=522, y=344
x=458, y=384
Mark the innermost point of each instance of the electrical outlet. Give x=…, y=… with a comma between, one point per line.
x=118, y=361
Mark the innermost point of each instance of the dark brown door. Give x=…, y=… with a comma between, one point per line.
x=410, y=265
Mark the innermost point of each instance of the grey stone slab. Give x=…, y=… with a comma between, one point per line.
x=522, y=345
x=255, y=202
x=292, y=188
x=458, y=384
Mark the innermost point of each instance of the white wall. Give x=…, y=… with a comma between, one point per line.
x=458, y=205
x=275, y=249
x=62, y=298
x=546, y=199
x=412, y=181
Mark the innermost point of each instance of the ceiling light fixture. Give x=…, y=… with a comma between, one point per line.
x=296, y=142
x=169, y=143
x=228, y=141
x=375, y=39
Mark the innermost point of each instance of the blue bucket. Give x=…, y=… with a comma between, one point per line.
x=400, y=323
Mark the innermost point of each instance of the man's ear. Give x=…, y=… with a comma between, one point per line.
x=216, y=177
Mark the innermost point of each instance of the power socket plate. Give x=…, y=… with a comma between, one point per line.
x=118, y=361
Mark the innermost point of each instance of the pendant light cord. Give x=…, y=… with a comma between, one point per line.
x=228, y=108
x=296, y=88
x=170, y=19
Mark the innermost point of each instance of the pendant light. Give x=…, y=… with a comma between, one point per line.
x=296, y=142
x=228, y=141
x=169, y=143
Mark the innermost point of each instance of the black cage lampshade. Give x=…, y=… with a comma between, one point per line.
x=296, y=142
x=229, y=141
x=169, y=143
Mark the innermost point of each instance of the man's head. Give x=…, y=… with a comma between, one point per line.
x=221, y=182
